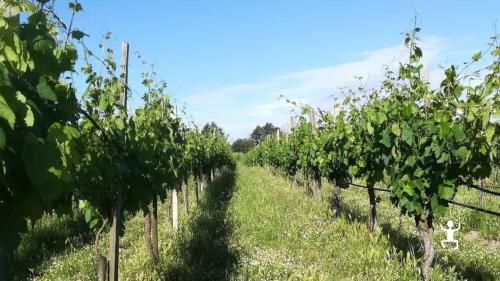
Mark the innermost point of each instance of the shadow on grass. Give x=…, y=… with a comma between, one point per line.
x=411, y=243
x=51, y=236
x=205, y=247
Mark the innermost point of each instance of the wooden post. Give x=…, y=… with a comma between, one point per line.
x=103, y=268
x=114, y=240
x=481, y=193
x=197, y=188
x=175, y=210
x=114, y=234
x=185, y=192
x=147, y=232
x=312, y=118
x=154, y=229
x=74, y=206
x=335, y=203
x=168, y=201
x=372, y=212
x=200, y=176
x=124, y=76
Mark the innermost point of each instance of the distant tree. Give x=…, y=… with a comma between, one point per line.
x=259, y=133
x=242, y=145
x=210, y=128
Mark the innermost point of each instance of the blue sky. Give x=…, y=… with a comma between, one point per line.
x=229, y=61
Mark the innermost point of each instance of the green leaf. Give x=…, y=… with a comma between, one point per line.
x=386, y=140
x=407, y=110
x=462, y=152
x=353, y=170
x=82, y=204
x=440, y=210
x=386, y=158
x=39, y=160
x=434, y=202
x=418, y=52
x=93, y=223
x=44, y=90
x=43, y=44
x=444, y=129
x=408, y=189
x=104, y=102
x=369, y=128
x=395, y=129
x=446, y=191
x=2, y=139
x=410, y=161
x=418, y=172
x=88, y=214
x=7, y=113
x=29, y=118
x=77, y=34
x=380, y=117
x=458, y=132
x=444, y=157
x=407, y=135
x=490, y=131
x=418, y=208
x=75, y=7
x=476, y=56
x=71, y=132
x=119, y=124
x=4, y=76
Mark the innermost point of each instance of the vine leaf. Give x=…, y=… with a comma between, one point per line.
x=29, y=118
x=407, y=135
x=77, y=34
x=444, y=157
x=6, y=112
x=476, y=56
x=410, y=161
x=39, y=160
x=408, y=189
x=490, y=131
x=458, y=132
x=44, y=90
x=75, y=6
x=2, y=139
x=446, y=191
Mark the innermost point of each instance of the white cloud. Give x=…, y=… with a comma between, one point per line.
x=239, y=108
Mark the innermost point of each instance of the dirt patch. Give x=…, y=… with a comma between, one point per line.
x=488, y=245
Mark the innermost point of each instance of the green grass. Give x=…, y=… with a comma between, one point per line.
x=252, y=225
x=479, y=254
x=285, y=235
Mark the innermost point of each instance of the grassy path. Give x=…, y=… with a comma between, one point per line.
x=285, y=235
x=251, y=225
